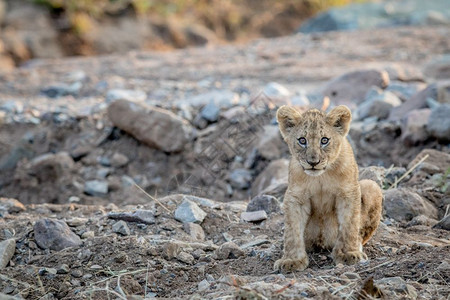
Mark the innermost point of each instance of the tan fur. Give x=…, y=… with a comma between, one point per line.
x=326, y=206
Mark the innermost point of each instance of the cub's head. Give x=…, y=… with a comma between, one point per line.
x=314, y=138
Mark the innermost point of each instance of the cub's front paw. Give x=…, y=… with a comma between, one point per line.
x=289, y=265
x=349, y=258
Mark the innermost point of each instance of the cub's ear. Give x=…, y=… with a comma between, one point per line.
x=340, y=118
x=287, y=118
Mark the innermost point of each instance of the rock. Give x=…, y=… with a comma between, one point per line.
x=63, y=269
x=210, y=112
x=62, y=89
x=203, y=285
x=403, y=205
x=51, y=167
x=269, y=143
x=156, y=127
x=121, y=227
x=438, y=68
x=438, y=159
x=254, y=216
x=127, y=95
x=414, y=126
x=439, y=123
x=229, y=250
x=240, y=178
x=352, y=276
x=194, y=230
x=350, y=89
x=404, y=90
x=444, y=223
x=75, y=222
x=11, y=206
x=186, y=258
x=97, y=188
x=417, y=101
x=274, y=91
x=374, y=173
x=276, y=172
x=118, y=160
x=139, y=216
x=422, y=220
x=267, y=203
x=443, y=92
x=398, y=285
x=188, y=211
x=7, y=249
x=54, y=235
x=378, y=103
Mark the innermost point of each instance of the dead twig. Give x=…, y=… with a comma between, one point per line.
x=153, y=198
x=290, y=284
x=408, y=172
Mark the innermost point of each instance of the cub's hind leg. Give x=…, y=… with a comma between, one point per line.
x=371, y=207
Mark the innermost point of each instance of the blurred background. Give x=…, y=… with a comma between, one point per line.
x=57, y=28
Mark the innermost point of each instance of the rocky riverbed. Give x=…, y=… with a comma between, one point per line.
x=163, y=174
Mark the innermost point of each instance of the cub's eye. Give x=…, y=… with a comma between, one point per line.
x=324, y=141
x=302, y=141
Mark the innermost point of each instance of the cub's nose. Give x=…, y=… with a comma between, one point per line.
x=313, y=163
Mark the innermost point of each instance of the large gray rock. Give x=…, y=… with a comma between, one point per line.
x=444, y=223
x=438, y=160
x=269, y=143
x=404, y=205
x=156, y=127
x=54, y=235
x=351, y=88
x=439, y=123
x=414, y=126
x=188, y=211
x=417, y=101
x=7, y=249
x=378, y=103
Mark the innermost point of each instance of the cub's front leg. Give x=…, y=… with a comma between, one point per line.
x=348, y=248
x=296, y=214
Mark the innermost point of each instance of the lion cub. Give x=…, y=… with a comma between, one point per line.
x=325, y=205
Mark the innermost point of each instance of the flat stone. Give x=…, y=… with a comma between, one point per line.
x=189, y=211
x=138, y=216
x=7, y=249
x=121, y=227
x=97, y=188
x=254, y=216
x=417, y=101
x=203, y=285
x=54, y=235
x=118, y=160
